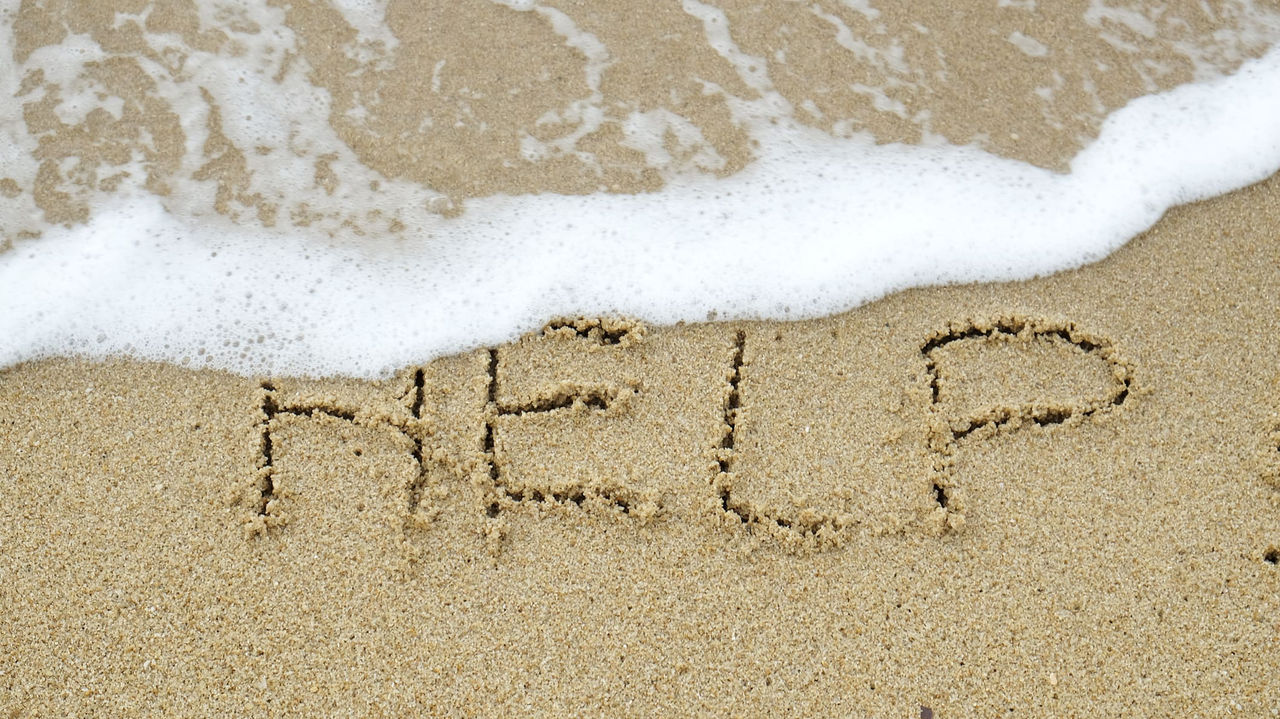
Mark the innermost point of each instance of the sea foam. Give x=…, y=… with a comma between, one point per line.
x=815, y=226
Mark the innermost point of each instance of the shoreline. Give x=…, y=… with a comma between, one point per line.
x=1051, y=497
x=1093, y=551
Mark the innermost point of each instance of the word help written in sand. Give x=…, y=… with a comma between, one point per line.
x=555, y=418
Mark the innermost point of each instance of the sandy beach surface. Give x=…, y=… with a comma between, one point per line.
x=1057, y=497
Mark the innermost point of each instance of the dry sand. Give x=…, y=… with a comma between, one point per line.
x=1058, y=497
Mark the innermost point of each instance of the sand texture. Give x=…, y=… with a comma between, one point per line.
x=1056, y=497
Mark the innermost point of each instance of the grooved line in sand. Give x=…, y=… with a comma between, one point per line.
x=807, y=523
x=1271, y=475
x=595, y=398
x=415, y=411
x=943, y=437
x=271, y=408
x=266, y=466
x=945, y=434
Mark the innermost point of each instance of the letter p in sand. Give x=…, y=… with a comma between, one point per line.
x=988, y=378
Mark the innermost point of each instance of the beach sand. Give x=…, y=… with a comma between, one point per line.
x=1058, y=497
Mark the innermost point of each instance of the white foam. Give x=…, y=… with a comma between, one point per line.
x=1030, y=46
x=816, y=226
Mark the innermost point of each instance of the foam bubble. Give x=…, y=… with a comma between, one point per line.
x=815, y=226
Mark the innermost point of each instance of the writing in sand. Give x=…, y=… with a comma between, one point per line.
x=514, y=428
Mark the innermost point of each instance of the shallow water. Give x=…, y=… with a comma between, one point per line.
x=349, y=189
